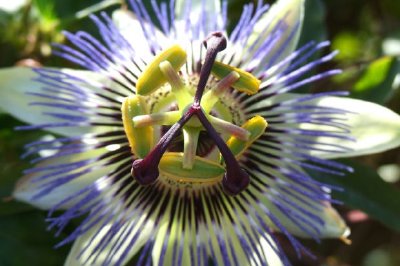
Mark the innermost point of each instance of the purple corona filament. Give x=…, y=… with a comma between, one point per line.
x=235, y=179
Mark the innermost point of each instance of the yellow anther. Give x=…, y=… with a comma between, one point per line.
x=152, y=77
x=256, y=127
x=247, y=83
x=203, y=170
x=140, y=139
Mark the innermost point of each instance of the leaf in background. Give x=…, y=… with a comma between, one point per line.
x=314, y=26
x=376, y=82
x=47, y=15
x=97, y=7
x=234, y=12
x=12, y=166
x=366, y=191
x=349, y=45
x=23, y=236
x=24, y=241
x=314, y=29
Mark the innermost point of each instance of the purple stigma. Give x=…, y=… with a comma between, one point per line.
x=235, y=179
x=214, y=44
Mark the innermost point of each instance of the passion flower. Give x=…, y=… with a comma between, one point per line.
x=184, y=144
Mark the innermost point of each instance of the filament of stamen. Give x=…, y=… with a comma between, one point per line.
x=211, y=97
x=225, y=127
x=177, y=87
x=165, y=119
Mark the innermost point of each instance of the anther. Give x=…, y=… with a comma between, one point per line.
x=177, y=86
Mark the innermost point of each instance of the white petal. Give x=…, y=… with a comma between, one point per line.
x=17, y=82
x=12, y=6
x=196, y=7
x=27, y=188
x=333, y=227
x=375, y=127
x=206, y=13
x=286, y=16
x=173, y=240
x=132, y=30
x=76, y=259
x=270, y=254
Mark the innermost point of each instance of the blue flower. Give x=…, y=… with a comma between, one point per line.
x=182, y=143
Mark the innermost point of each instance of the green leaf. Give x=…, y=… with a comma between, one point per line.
x=349, y=45
x=314, y=26
x=12, y=166
x=24, y=241
x=366, y=191
x=97, y=7
x=23, y=236
x=376, y=82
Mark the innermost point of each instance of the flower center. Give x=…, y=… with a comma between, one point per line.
x=193, y=116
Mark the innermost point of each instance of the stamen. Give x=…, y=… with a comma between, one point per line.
x=211, y=97
x=225, y=127
x=203, y=171
x=247, y=83
x=172, y=77
x=140, y=139
x=255, y=127
x=182, y=96
x=152, y=78
x=165, y=119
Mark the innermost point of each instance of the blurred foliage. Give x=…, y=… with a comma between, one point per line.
x=375, y=83
x=23, y=236
x=367, y=34
x=28, y=33
x=366, y=191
